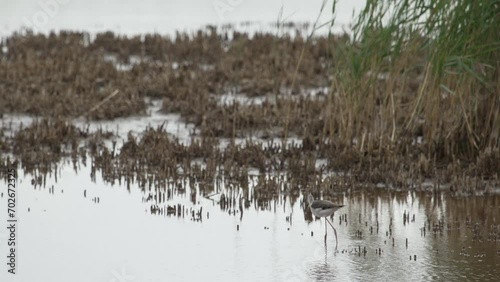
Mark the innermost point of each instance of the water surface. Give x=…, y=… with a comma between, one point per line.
x=76, y=229
x=166, y=17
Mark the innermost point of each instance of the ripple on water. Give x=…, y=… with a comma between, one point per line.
x=120, y=229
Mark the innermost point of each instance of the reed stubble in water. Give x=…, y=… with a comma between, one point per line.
x=377, y=119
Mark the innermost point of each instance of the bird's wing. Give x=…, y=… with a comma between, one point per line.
x=322, y=204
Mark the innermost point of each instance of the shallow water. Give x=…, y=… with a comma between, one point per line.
x=165, y=17
x=76, y=229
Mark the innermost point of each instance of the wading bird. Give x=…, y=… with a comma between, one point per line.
x=323, y=208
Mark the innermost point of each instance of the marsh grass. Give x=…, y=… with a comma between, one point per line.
x=406, y=106
x=420, y=70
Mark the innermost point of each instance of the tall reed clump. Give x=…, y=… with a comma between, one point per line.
x=420, y=70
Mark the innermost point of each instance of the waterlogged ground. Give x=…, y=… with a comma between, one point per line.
x=78, y=229
x=74, y=226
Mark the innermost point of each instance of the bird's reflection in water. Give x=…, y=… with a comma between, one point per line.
x=323, y=271
x=323, y=266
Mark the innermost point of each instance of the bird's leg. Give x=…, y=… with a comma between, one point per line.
x=336, y=239
x=325, y=230
x=335, y=231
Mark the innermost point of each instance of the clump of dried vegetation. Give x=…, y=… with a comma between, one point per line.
x=402, y=100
